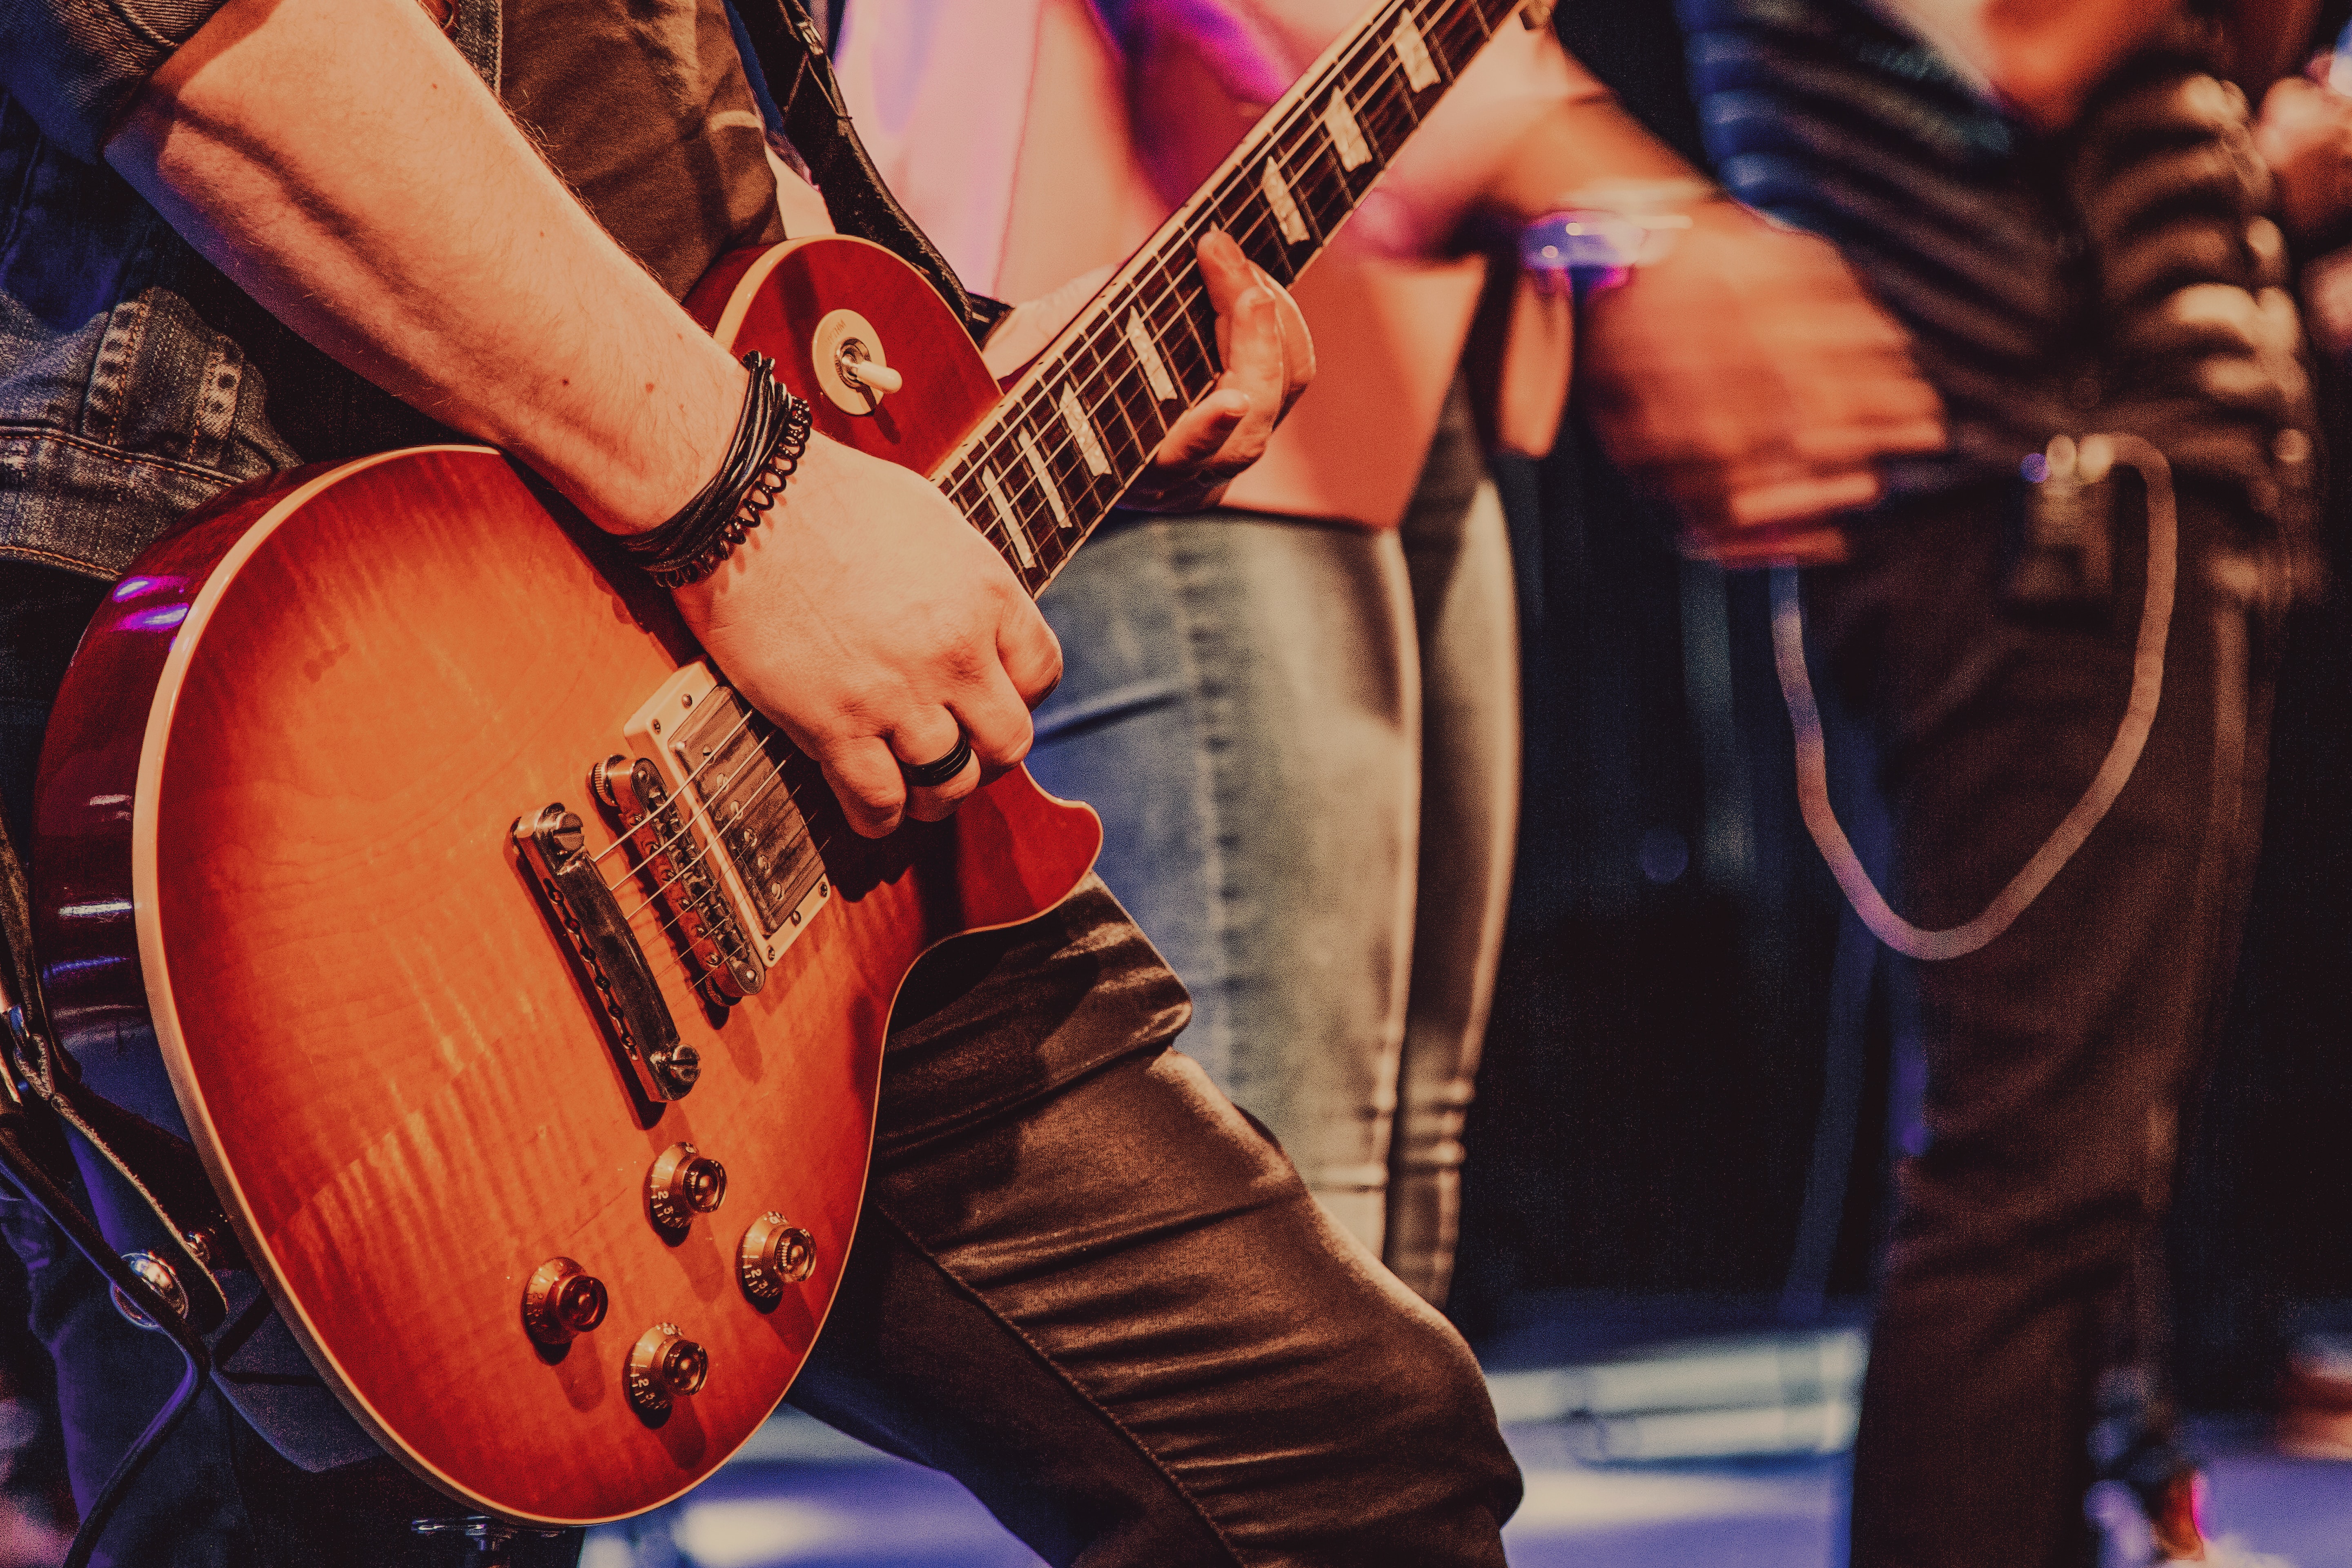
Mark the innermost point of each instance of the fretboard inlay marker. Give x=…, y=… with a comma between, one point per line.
x=1147, y=353
x=1420, y=70
x=1081, y=431
x=1346, y=136
x=1286, y=216
x=1116, y=377
x=1046, y=480
x=1012, y=521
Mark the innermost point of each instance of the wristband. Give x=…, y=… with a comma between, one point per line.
x=772, y=434
x=1586, y=250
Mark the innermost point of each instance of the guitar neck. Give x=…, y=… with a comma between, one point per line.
x=1076, y=428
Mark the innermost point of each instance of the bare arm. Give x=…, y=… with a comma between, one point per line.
x=342, y=163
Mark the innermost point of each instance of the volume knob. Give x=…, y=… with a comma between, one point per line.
x=562, y=1302
x=772, y=1255
x=681, y=1185
x=664, y=1364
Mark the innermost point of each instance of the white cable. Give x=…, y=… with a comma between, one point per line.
x=2131, y=735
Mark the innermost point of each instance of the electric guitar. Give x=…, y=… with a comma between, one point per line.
x=523, y=992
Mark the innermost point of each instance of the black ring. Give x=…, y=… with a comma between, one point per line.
x=931, y=775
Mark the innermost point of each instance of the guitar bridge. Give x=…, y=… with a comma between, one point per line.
x=638, y=1021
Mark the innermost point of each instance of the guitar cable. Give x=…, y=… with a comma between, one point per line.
x=2068, y=464
x=26, y=1171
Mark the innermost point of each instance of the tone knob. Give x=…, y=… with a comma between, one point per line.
x=681, y=1185
x=772, y=1255
x=664, y=1364
x=562, y=1302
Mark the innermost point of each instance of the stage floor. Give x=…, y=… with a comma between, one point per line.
x=819, y=1501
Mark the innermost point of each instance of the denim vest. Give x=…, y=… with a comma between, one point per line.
x=136, y=380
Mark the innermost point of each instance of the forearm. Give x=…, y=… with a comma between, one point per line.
x=341, y=162
x=1578, y=151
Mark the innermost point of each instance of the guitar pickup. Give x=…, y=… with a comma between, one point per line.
x=752, y=793
x=673, y=858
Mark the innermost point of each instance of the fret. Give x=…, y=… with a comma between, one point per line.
x=1384, y=106
x=1243, y=214
x=1101, y=379
x=1325, y=190
x=1177, y=310
x=1458, y=34
x=1033, y=499
x=1073, y=477
x=1143, y=417
x=1053, y=491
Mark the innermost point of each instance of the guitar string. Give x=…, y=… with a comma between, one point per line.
x=1294, y=159
x=1298, y=157
x=1294, y=153
x=692, y=776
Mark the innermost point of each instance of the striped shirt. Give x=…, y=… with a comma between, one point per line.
x=1826, y=118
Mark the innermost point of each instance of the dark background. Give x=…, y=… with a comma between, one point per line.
x=1688, y=1023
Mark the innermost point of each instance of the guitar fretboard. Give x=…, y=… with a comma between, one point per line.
x=1077, y=427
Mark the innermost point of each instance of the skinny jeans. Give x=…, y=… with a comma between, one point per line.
x=1084, y=1284
x=2063, y=1058
x=1303, y=738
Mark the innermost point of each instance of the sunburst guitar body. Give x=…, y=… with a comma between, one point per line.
x=318, y=800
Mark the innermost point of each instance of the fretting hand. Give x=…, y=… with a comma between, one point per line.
x=1269, y=360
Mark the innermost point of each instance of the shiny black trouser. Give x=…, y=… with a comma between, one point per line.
x=2063, y=1058
x=1085, y=1285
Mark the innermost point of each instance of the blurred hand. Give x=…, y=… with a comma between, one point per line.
x=1267, y=356
x=873, y=622
x=1748, y=376
x=2304, y=134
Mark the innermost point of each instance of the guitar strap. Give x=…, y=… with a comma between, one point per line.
x=161, y=1168
x=792, y=57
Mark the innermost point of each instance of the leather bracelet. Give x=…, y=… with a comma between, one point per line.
x=771, y=435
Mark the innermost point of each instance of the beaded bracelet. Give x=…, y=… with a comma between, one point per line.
x=771, y=435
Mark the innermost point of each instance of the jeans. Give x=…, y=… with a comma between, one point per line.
x=2063, y=1058
x=1303, y=739
x=1083, y=1284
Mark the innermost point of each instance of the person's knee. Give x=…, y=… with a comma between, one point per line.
x=1423, y=1400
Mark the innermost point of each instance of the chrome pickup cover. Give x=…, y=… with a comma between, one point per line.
x=755, y=789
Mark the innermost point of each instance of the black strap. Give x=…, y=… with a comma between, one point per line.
x=163, y=1168
x=791, y=55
